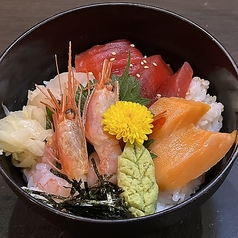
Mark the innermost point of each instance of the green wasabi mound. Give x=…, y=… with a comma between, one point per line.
x=136, y=176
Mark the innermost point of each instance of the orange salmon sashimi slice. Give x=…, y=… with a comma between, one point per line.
x=188, y=153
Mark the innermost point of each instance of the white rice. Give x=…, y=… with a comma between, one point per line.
x=211, y=121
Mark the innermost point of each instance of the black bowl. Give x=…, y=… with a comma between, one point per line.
x=30, y=60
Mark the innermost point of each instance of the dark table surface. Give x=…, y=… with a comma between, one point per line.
x=218, y=217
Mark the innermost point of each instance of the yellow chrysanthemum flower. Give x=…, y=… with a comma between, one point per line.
x=128, y=120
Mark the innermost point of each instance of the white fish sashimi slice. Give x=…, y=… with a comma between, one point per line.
x=36, y=96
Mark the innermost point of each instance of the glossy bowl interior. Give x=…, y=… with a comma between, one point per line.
x=30, y=60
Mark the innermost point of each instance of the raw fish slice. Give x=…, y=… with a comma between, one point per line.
x=179, y=112
x=188, y=153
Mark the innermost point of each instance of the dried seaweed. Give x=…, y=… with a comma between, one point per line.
x=100, y=201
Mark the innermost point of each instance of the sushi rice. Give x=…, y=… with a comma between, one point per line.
x=211, y=121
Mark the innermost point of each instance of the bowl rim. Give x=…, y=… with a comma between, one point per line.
x=205, y=189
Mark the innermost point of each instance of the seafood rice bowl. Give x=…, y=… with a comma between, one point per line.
x=112, y=131
x=77, y=109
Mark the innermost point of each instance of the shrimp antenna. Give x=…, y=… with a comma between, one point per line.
x=69, y=59
x=70, y=83
x=58, y=74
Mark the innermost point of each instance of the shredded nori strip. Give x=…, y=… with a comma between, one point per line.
x=100, y=201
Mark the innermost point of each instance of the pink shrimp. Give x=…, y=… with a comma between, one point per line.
x=107, y=146
x=69, y=138
x=41, y=178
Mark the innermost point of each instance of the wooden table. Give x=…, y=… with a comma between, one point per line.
x=218, y=217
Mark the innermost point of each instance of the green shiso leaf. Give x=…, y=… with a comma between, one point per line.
x=147, y=144
x=82, y=94
x=129, y=87
x=49, y=121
